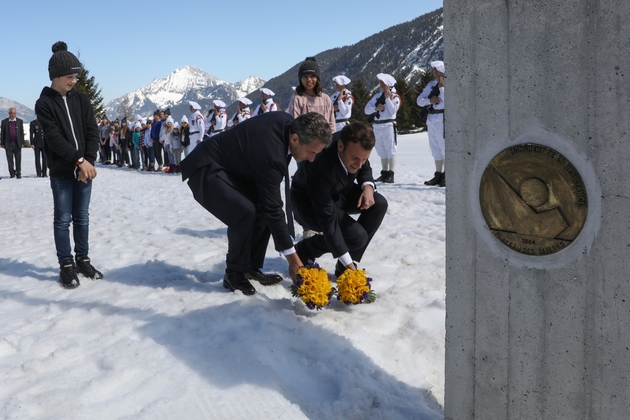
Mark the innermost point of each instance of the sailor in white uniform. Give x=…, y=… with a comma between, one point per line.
x=381, y=111
x=197, y=126
x=267, y=104
x=243, y=112
x=432, y=97
x=342, y=101
x=218, y=118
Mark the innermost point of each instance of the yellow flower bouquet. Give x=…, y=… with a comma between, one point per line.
x=353, y=287
x=313, y=286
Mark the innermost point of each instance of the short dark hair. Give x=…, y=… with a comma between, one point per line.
x=310, y=127
x=358, y=132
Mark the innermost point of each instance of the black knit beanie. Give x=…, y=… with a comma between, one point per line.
x=62, y=62
x=309, y=66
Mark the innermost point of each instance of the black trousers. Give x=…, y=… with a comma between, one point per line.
x=235, y=203
x=357, y=234
x=14, y=158
x=40, y=161
x=125, y=153
x=157, y=149
x=106, y=151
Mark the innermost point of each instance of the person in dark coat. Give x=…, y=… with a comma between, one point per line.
x=12, y=140
x=72, y=140
x=327, y=191
x=237, y=175
x=37, y=144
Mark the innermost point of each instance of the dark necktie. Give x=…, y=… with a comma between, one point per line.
x=287, y=199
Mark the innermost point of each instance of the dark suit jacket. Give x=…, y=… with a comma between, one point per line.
x=4, y=136
x=37, y=134
x=318, y=188
x=255, y=155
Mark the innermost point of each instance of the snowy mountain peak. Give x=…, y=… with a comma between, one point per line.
x=175, y=90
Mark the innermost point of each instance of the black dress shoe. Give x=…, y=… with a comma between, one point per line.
x=236, y=281
x=262, y=278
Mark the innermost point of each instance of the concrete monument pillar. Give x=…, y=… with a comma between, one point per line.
x=538, y=209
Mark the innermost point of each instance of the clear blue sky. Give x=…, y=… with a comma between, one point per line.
x=126, y=44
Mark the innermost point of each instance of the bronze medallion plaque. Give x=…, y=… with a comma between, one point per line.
x=533, y=199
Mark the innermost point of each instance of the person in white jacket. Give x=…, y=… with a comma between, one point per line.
x=243, y=112
x=381, y=111
x=342, y=102
x=197, y=126
x=432, y=97
x=166, y=138
x=217, y=118
x=267, y=104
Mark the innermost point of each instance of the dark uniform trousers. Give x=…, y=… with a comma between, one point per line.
x=356, y=233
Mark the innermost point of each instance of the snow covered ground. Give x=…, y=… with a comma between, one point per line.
x=160, y=338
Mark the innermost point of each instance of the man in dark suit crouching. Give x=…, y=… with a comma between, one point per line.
x=326, y=191
x=237, y=175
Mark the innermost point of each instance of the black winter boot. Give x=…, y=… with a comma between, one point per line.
x=68, y=275
x=85, y=267
x=435, y=180
x=443, y=180
x=382, y=177
x=389, y=178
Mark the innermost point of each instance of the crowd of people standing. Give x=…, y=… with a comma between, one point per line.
x=159, y=143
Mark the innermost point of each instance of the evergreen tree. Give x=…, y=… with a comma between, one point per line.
x=86, y=84
x=361, y=98
x=425, y=77
x=404, y=116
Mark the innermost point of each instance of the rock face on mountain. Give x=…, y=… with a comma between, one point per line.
x=23, y=112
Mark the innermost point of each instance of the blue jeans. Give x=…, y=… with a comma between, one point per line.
x=71, y=200
x=151, y=154
x=135, y=158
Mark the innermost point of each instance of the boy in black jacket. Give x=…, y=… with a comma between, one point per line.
x=71, y=144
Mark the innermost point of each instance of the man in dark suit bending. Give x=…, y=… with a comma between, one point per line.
x=237, y=175
x=327, y=191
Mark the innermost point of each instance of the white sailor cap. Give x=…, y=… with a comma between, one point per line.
x=438, y=65
x=219, y=103
x=194, y=104
x=341, y=80
x=184, y=119
x=267, y=91
x=245, y=101
x=387, y=79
